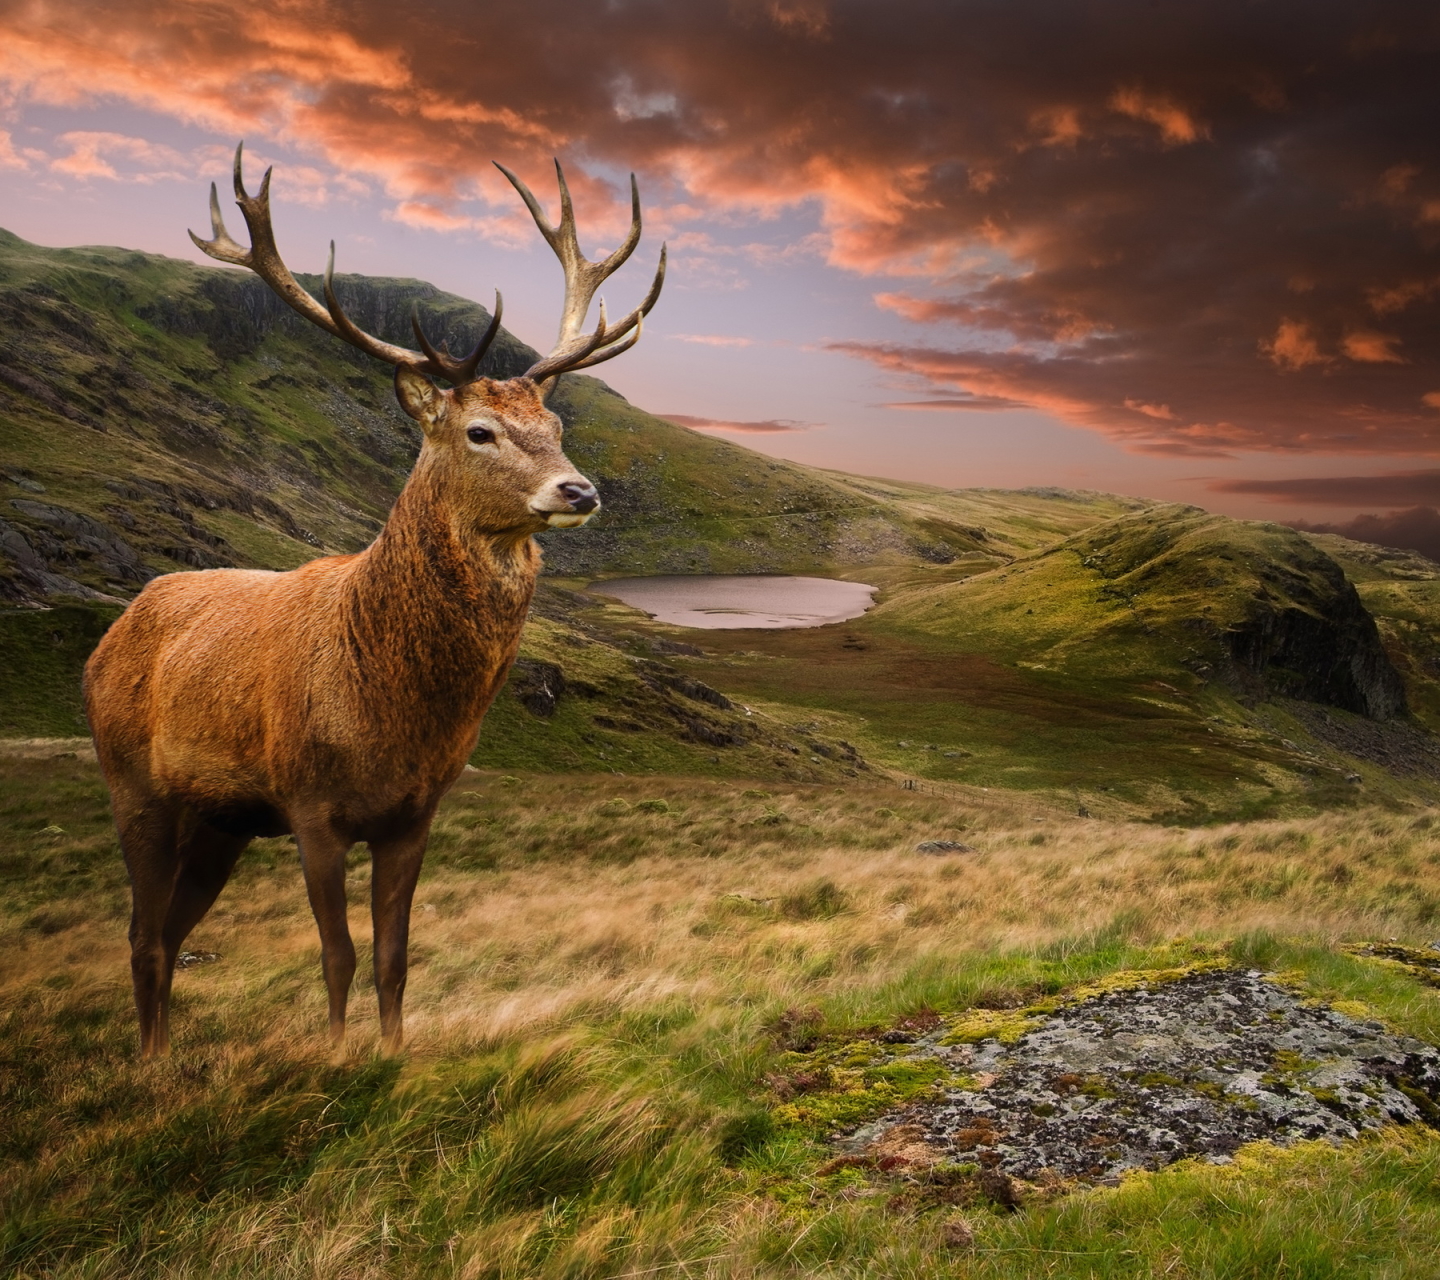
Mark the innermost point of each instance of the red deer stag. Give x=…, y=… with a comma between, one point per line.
x=339, y=701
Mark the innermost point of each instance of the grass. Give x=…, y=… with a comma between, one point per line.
x=41, y=655
x=604, y=971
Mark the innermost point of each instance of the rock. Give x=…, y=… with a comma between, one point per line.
x=1139, y=1078
x=662, y=645
x=955, y=1233
x=24, y=482
x=538, y=685
x=189, y=959
x=941, y=847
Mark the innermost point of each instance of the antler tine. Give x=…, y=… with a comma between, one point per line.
x=458, y=371
x=609, y=353
x=573, y=348
x=263, y=258
x=582, y=277
x=223, y=246
x=595, y=348
x=612, y=261
x=346, y=328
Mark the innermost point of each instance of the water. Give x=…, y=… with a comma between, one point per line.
x=717, y=601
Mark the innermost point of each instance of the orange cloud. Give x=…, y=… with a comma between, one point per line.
x=1161, y=411
x=1177, y=126
x=1040, y=187
x=1293, y=347
x=1398, y=297
x=92, y=153
x=1057, y=126
x=1369, y=347
x=9, y=157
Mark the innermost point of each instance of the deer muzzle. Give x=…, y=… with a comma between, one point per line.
x=568, y=503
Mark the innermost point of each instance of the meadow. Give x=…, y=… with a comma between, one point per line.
x=611, y=974
x=606, y=972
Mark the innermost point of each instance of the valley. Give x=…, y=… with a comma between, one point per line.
x=699, y=890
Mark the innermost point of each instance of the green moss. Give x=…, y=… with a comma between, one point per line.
x=857, y=1094
x=1137, y=980
x=1005, y=1025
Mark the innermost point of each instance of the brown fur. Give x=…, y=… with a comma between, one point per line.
x=338, y=701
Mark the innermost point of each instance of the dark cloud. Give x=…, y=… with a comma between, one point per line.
x=769, y=427
x=1390, y=489
x=1415, y=530
x=974, y=404
x=1197, y=228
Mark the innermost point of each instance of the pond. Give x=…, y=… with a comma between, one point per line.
x=716, y=601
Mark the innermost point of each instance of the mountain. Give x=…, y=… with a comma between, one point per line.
x=156, y=415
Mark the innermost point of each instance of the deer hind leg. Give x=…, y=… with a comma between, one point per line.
x=177, y=868
x=394, y=869
x=322, y=853
x=149, y=838
x=207, y=858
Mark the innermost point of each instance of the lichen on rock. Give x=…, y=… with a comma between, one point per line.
x=1132, y=1072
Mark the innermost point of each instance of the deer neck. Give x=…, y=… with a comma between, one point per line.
x=436, y=609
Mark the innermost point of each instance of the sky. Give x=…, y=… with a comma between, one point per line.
x=1182, y=250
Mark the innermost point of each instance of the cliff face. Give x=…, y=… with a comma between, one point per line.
x=1328, y=653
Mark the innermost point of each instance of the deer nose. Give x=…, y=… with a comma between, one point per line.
x=580, y=495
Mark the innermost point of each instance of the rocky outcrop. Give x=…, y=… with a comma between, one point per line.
x=1257, y=606
x=1330, y=653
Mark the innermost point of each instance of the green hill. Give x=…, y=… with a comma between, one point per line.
x=1166, y=660
x=157, y=416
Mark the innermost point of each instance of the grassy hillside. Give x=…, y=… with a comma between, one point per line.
x=156, y=415
x=610, y=979
x=1164, y=661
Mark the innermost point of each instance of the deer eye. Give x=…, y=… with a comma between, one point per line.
x=479, y=435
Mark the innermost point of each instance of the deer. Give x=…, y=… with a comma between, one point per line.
x=338, y=702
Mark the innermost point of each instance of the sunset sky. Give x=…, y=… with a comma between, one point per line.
x=1184, y=250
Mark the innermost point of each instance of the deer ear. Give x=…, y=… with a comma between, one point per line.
x=419, y=397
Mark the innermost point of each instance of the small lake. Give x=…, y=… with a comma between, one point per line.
x=719, y=601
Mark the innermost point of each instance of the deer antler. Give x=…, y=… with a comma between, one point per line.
x=264, y=260
x=575, y=349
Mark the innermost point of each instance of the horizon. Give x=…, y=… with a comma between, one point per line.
x=944, y=250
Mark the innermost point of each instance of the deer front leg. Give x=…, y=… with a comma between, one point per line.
x=394, y=869
x=322, y=855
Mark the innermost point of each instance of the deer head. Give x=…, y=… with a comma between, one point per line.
x=491, y=445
